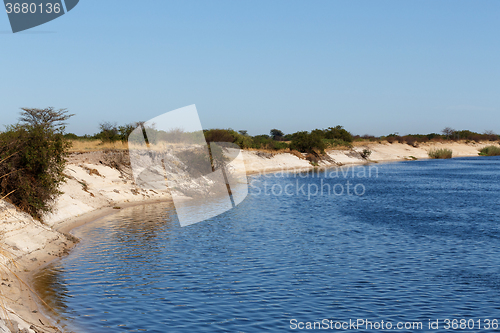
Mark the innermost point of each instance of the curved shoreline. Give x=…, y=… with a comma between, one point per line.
x=75, y=209
x=66, y=227
x=31, y=267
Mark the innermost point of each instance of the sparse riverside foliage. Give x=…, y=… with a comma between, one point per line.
x=366, y=153
x=440, y=153
x=313, y=143
x=490, y=151
x=34, y=152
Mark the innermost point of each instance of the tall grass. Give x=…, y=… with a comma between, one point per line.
x=440, y=153
x=96, y=145
x=490, y=151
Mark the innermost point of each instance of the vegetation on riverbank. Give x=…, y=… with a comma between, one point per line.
x=33, y=154
x=490, y=151
x=440, y=153
x=112, y=136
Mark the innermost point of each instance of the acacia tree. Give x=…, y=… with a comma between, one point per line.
x=35, y=149
x=109, y=132
x=48, y=118
x=276, y=134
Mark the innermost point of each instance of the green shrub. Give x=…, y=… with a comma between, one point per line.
x=490, y=151
x=366, y=153
x=34, y=151
x=125, y=130
x=410, y=140
x=261, y=141
x=367, y=137
x=108, y=132
x=71, y=136
x=331, y=143
x=390, y=139
x=276, y=134
x=306, y=142
x=440, y=153
x=432, y=136
x=220, y=135
x=242, y=140
x=280, y=145
x=338, y=132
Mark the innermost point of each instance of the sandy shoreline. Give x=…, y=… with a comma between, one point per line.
x=93, y=190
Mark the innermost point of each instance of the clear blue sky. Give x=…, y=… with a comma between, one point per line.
x=375, y=67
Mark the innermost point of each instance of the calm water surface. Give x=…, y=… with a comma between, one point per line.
x=423, y=242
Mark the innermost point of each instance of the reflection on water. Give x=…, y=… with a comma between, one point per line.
x=134, y=233
x=52, y=290
x=422, y=243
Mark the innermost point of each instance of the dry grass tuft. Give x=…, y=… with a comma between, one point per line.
x=96, y=145
x=490, y=151
x=297, y=153
x=440, y=153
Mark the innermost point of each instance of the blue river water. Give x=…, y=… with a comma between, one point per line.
x=401, y=243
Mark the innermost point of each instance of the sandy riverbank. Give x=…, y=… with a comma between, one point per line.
x=100, y=183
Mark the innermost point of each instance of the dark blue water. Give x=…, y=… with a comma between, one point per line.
x=417, y=241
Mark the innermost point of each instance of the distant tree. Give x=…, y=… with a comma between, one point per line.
x=490, y=135
x=243, y=132
x=276, y=134
x=369, y=137
x=306, y=142
x=431, y=136
x=109, y=132
x=125, y=130
x=71, y=136
x=448, y=132
x=489, y=132
x=338, y=132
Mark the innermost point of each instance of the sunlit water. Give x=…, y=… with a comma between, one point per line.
x=422, y=243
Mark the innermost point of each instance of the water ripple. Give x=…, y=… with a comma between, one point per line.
x=422, y=243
